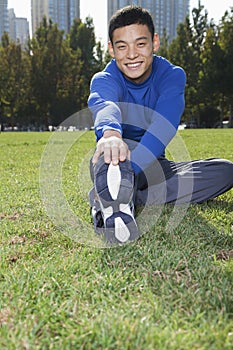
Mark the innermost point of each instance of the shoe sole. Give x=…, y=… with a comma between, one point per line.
x=114, y=186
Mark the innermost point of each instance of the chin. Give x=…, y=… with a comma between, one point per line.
x=137, y=78
x=134, y=76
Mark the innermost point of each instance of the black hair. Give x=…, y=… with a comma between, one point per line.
x=128, y=15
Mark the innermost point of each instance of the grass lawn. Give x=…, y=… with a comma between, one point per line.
x=169, y=290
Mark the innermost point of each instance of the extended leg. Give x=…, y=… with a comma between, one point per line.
x=191, y=182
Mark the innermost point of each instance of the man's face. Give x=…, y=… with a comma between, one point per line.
x=133, y=50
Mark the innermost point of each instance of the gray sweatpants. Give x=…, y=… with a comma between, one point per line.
x=184, y=182
x=195, y=181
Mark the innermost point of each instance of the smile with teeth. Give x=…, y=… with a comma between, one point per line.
x=133, y=65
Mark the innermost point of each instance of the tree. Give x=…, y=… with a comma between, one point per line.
x=217, y=73
x=226, y=40
x=163, y=50
x=55, y=74
x=82, y=39
x=200, y=24
x=45, y=54
x=211, y=73
x=181, y=52
x=14, y=79
x=187, y=50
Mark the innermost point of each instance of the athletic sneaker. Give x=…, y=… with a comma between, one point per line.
x=114, y=186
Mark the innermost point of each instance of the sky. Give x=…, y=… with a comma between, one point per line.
x=98, y=11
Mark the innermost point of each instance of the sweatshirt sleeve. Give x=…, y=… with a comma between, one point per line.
x=164, y=121
x=103, y=102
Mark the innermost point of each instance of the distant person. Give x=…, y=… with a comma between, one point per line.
x=137, y=102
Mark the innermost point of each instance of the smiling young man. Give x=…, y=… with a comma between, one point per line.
x=133, y=51
x=137, y=102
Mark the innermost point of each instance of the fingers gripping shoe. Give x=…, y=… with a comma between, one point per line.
x=114, y=185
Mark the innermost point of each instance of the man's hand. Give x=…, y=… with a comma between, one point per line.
x=113, y=148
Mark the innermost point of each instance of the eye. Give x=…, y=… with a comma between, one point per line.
x=141, y=44
x=121, y=47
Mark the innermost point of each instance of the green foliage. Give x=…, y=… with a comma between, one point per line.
x=181, y=52
x=204, y=50
x=14, y=79
x=47, y=60
x=82, y=38
x=225, y=42
x=170, y=290
x=50, y=80
x=163, y=50
x=57, y=80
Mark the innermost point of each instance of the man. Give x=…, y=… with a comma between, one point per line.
x=137, y=102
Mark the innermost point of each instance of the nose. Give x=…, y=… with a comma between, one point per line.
x=132, y=52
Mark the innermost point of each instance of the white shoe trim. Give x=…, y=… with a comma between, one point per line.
x=114, y=180
x=121, y=231
x=125, y=208
x=107, y=212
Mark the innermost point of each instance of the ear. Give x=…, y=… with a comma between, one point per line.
x=110, y=49
x=156, y=42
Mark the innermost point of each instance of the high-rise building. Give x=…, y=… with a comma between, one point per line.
x=22, y=31
x=4, y=27
x=12, y=24
x=62, y=12
x=167, y=14
x=39, y=8
x=18, y=28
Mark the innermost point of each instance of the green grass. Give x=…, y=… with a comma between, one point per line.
x=169, y=290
